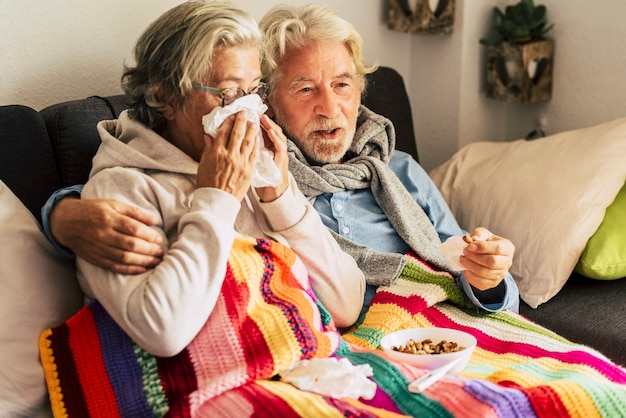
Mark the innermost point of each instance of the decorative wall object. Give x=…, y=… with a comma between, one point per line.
x=520, y=72
x=519, y=56
x=421, y=17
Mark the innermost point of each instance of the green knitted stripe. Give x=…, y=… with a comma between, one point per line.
x=371, y=335
x=612, y=403
x=324, y=314
x=152, y=389
x=395, y=385
x=343, y=349
x=512, y=322
x=415, y=273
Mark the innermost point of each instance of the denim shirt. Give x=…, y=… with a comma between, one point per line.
x=46, y=210
x=356, y=215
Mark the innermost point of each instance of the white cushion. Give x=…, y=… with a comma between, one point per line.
x=548, y=196
x=38, y=289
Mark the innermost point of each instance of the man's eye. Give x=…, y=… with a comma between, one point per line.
x=344, y=86
x=305, y=90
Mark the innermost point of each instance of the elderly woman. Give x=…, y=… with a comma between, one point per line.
x=157, y=157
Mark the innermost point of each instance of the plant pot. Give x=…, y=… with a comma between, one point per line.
x=427, y=17
x=520, y=73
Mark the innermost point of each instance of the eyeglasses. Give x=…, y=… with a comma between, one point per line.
x=231, y=94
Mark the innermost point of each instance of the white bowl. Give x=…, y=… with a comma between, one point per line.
x=430, y=361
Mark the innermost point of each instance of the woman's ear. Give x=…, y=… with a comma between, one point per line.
x=167, y=110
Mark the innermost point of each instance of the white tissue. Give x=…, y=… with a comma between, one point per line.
x=332, y=377
x=266, y=172
x=452, y=249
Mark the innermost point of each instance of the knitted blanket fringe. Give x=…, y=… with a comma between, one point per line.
x=518, y=368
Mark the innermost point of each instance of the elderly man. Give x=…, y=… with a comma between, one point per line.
x=379, y=203
x=342, y=156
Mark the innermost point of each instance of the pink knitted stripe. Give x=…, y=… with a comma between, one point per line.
x=217, y=356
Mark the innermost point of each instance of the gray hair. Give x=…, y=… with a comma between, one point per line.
x=177, y=49
x=287, y=27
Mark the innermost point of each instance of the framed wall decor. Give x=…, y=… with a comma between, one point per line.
x=519, y=55
x=421, y=17
x=520, y=72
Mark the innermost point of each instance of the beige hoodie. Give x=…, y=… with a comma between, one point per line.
x=163, y=309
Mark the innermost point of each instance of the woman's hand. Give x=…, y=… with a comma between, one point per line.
x=227, y=161
x=275, y=141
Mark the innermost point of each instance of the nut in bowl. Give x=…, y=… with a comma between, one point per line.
x=394, y=343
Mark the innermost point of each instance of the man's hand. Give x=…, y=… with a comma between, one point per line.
x=107, y=233
x=487, y=259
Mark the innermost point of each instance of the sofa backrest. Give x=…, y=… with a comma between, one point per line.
x=43, y=151
x=27, y=164
x=75, y=120
x=386, y=95
x=72, y=130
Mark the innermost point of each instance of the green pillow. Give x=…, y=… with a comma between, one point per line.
x=604, y=256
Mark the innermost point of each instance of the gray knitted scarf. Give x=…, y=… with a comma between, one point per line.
x=371, y=149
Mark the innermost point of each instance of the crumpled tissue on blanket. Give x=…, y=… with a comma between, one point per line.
x=266, y=172
x=332, y=377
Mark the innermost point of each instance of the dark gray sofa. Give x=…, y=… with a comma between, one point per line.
x=43, y=151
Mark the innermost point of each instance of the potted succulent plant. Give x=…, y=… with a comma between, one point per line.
x=519, y=56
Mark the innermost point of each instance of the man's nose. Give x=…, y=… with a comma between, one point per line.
x=327, y=103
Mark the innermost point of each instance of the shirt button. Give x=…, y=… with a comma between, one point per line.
x=339, y=206
x=345, y=229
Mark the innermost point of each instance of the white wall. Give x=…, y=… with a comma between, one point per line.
x=446, y=77
x=589, y=83
x=58, y=50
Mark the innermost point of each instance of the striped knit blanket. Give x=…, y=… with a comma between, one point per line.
x=518, y=369
x=268, y=318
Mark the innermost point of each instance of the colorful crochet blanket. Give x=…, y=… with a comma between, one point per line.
x=268, y=318
x=265, y=319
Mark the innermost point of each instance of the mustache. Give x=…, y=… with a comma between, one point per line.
x=325, y=124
